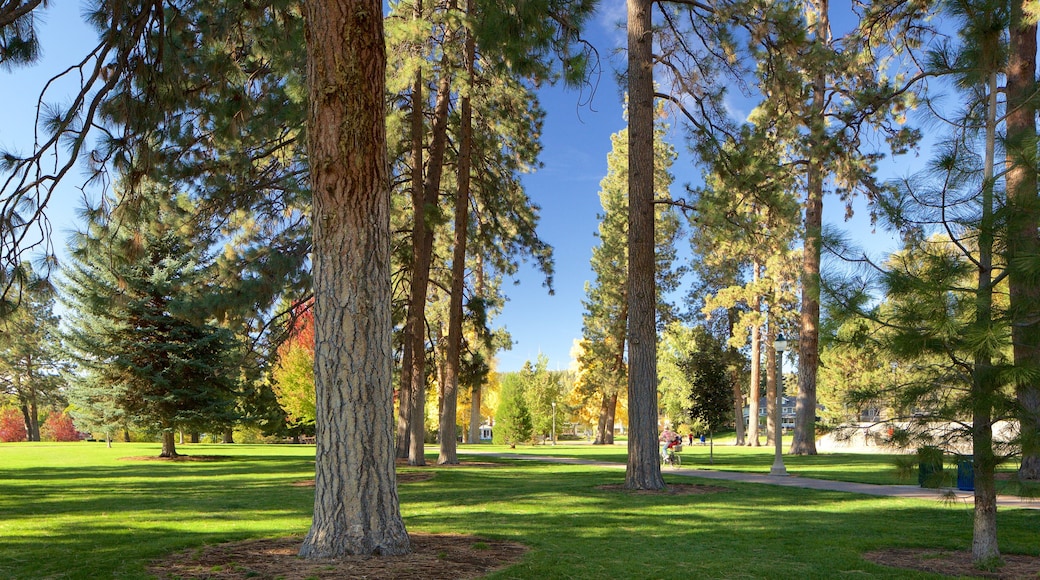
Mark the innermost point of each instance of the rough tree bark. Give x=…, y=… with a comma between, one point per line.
x=644, y=468
x=356, y=508
x=169, y=444
x=804, y=440
x=1023, y=246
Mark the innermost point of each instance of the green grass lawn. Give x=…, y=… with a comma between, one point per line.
x=80, y=511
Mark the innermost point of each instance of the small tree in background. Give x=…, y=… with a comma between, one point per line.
x=711, y=391
x=59, y=427
x=12, y=426
x=513, y=420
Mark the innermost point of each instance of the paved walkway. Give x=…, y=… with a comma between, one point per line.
x=906, y=491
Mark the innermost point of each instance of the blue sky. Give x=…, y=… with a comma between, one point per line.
x=576, y=141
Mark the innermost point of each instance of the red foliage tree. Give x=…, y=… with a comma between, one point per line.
x=12, y=426
x=59, y=427
x=301, y=328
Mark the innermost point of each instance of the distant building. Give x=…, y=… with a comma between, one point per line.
x=787, y=413
x=485, y=432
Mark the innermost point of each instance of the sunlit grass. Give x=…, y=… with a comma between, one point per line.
x=873, y=468
x=79, y=511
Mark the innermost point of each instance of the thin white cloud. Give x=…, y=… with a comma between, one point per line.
x=611, y=17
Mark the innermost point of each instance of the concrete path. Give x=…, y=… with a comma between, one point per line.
x=905, y=491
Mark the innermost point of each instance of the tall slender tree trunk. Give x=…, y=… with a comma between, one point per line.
x=1023, y=249
x=477, y=388
x=441, y=374
x=458, y=261
x=985, y=384
x=611, y=420
x=755, y=393
x=404, y=399
x=475, y=418
x=26, y=418
x=355, y=491
x=422, y=256
x=738, y=391
x=33, y=401
x=804, y=440
x=771, y=425
x=643, y=470
x=601, y=423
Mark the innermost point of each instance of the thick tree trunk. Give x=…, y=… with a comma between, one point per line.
x=195, y=436
x=644, y=468
x=804, y=440
x=229, y=435
x=355, y=493
x=1023, y=250
x=169, y=444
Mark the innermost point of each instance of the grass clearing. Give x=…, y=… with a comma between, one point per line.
x=79, y=511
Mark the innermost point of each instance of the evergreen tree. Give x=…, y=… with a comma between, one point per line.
x=513, y=422
x=18, y=42
x=134, y=284
x=604, y=328
x=707, y=373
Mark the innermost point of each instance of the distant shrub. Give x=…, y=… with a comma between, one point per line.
x=12, y=426
x=59, y=427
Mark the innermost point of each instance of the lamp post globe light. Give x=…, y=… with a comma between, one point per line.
x=780, y=345
x=554, y=423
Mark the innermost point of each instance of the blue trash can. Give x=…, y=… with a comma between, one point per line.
x=966, y=475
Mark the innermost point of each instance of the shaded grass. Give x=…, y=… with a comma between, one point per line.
x=78, y=511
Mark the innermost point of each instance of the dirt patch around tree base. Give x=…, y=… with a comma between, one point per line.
x=433, y=557
x=954, y=563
